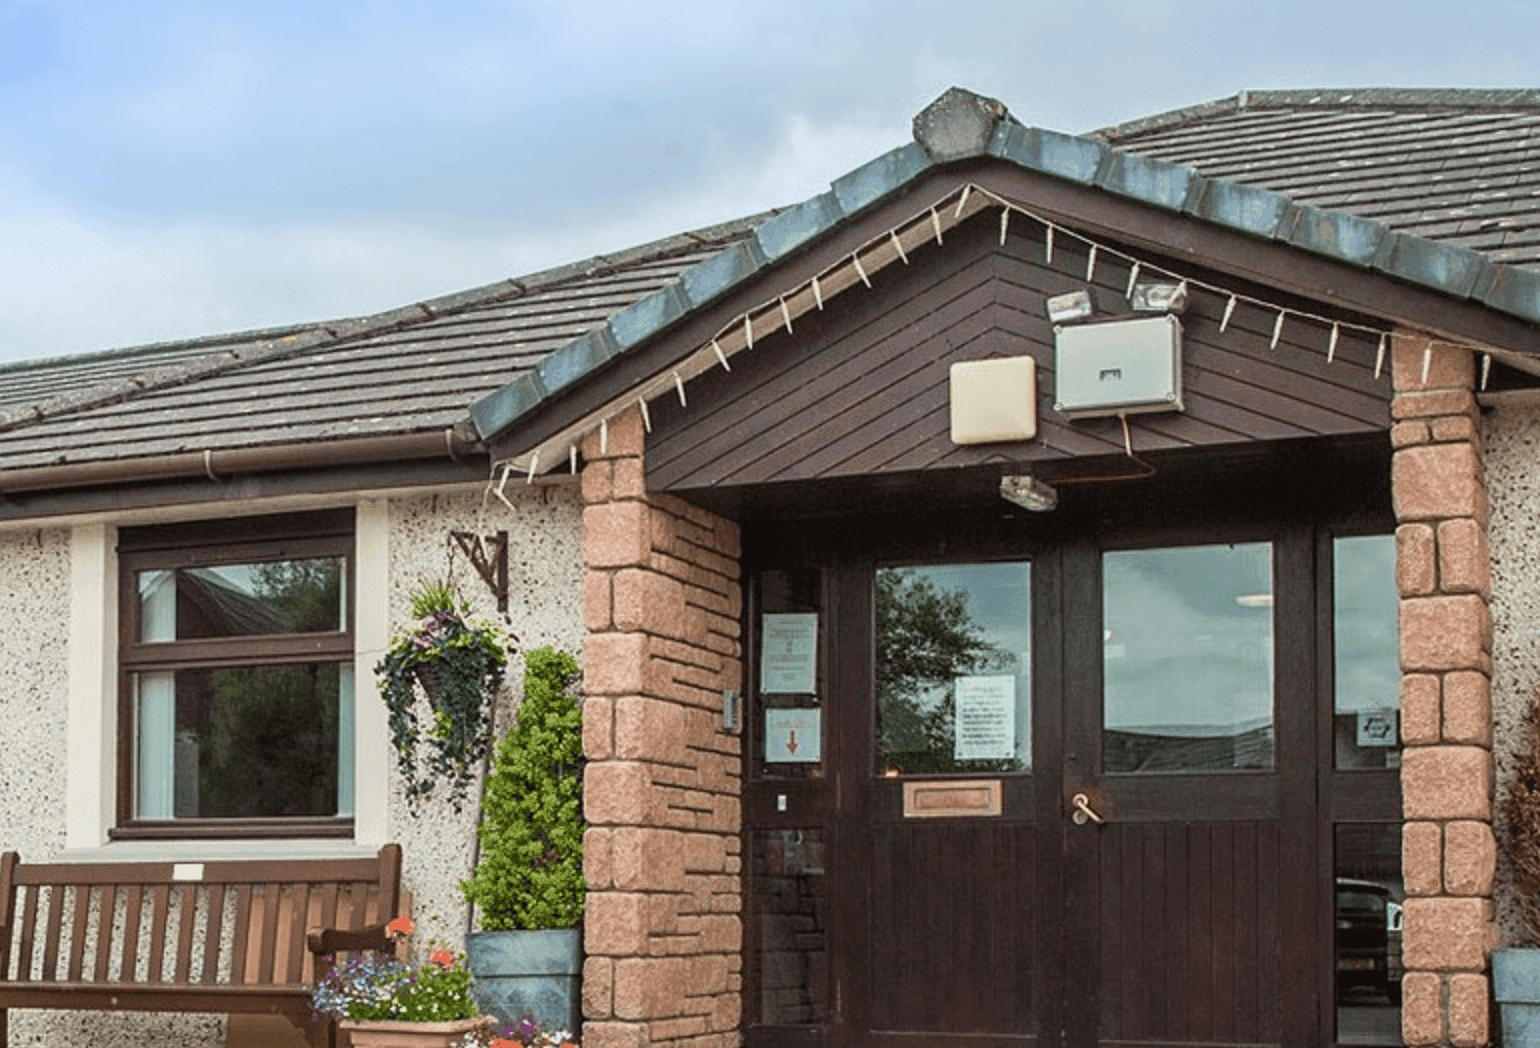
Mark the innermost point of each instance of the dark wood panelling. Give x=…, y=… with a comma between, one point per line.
x=861, y=388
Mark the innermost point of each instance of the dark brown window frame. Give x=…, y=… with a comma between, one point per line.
x=326, y=533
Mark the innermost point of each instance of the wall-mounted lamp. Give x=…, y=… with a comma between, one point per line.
x=1066, y=309
x=1158, y=298
x=1028, y=492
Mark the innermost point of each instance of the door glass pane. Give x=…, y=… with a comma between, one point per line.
x=1367, y=918
x=790, y=639
x=954, y=669
x=790, y=906
x=1187, y=656
x=1368, y=669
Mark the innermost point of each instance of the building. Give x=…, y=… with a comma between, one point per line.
x=876, y=754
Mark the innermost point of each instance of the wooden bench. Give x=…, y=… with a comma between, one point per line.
x=136, y=935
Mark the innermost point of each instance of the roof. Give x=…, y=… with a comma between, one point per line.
x=1460, y=167
x=1324, y=172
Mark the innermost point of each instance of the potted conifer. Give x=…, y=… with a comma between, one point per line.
x=1516, y=969
x=528, y=884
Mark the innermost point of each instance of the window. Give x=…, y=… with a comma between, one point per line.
x=236, y=678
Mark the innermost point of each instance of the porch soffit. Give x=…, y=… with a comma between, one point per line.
x=969, y=156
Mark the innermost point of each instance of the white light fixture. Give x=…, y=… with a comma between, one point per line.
x=1158, y=298
x=1028, y=492
x=1066, y=309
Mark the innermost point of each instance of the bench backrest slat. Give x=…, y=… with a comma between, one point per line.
x=133, y=906
x=160, y=915
x=28, y=934
x=7, y=909
x=51, y=935
x=212, y=936
x=106, y=917
x=242, y=929
x=269, y=932
x=184, y=944
x=77, y=947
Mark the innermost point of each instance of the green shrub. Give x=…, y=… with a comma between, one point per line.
x=531, y=870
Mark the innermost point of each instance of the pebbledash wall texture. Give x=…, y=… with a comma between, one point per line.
x=662, y=791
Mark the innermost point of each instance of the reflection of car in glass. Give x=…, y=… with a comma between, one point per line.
x=1368, y=923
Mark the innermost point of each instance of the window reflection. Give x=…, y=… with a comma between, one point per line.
x=1368, y=671
x=954, y=668
x=1367, y=918
x=1187, y=655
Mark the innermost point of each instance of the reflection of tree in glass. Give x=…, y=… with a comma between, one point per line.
x=270, y=743
x=926, y=639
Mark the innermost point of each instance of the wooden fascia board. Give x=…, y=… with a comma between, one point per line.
x=1289, y=269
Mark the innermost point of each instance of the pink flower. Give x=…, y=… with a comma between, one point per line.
x=399, y=926
x=443, y=958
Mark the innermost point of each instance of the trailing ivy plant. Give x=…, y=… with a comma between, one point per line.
x=458, y=664
x=531, y=871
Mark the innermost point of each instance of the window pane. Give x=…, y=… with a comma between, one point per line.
x=1187, y=654
x=241, y=742
x=1367, y=918
x=954, y=669
x=790, y=901
x=1368, y=668
x=242, y=600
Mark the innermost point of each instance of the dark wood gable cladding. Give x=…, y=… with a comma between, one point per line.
x=861, y=389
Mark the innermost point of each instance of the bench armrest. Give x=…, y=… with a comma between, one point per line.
x=330, y=940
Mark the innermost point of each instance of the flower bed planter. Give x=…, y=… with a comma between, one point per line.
x=519, y=973
x=391, y=1033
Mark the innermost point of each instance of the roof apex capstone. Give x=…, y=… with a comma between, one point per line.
x=958, y=125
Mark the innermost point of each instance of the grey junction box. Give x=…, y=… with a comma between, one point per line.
x=1122, y=367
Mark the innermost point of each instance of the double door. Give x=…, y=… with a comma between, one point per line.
x=1068, y=795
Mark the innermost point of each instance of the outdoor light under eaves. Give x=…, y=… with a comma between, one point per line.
x=1028, y=492
x=1068, y=308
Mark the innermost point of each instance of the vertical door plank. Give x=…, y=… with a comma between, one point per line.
x=1152, y=957
x=1200, y=940
x=1247, y=969
x=1270, y=934
x=1221, y=877
x=1178, y=873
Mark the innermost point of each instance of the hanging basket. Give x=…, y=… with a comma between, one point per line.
x=428, y=675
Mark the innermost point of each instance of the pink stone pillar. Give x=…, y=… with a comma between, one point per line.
x=662, y=791
x=1443, y=574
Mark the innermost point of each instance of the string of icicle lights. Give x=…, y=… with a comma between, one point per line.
x=894, y=245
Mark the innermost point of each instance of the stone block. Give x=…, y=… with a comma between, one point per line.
x=629, y=479
x=1416, y=560
x=596, y=601
x=617, y=793
x=623, y=436
x=614, y=1035
x=1436, y=481
x=1420, y=709
x=1469, y=1011
x=598, y=988
x=598, y=729
x=650, y=729
x=648, y=859
x=596, y=482
x=1449, y=367
x=1454, y=427
x=1432, y=404
x=1468, y=708
x=598, y=866
x=648, y=602
x=1445, y=633
x=617, y=535
x=1422, y=1008
x=649, y=987
x=1470, y=858
x=1446, y=934
x=1422, y=858
x=1409, y=432
x=1464, y=562
x=615, y=925
x=614, y=663
x=1446, y=782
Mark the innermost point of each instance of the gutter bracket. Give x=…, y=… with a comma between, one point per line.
x=490, y=559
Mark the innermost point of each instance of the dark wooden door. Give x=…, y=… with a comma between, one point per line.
x=1179, y=907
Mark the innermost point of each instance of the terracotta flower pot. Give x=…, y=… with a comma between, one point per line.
x=392, y=1033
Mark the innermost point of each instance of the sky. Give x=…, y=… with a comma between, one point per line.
x=178, y=168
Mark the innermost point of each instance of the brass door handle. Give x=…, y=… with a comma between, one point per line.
x=1083, y=812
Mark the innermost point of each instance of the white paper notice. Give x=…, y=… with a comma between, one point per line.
x=793, y=736
x=986, y=719
x=788, y=659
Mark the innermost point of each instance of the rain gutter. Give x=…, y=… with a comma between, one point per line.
x=451, y=443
